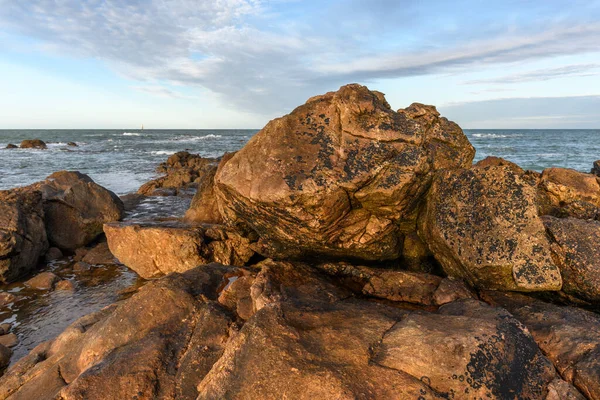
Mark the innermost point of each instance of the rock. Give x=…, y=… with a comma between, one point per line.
x=183, y=170
x=22, y=233
x=33, y=144
x=66, y=285
x=99, y=255
x=568, y=336
x=468, y=350
x=5, y=354
x=76, y=208
x=12, y=146
x=72, y=144
x=482, y=225
x=397, y=285
x=576, y=245
x=415, y=254
x=339, y=176
x=9, y=340
x=81, y=267
x=205, y=207
x=5, y=328
x=491, y=161
x=53, y=254
x=566, y=192
x=80, y=253
x=43, y=281
x=6, y=298
x=450, y=290
x=561, y=390
x=153, y=249
x=596, y=168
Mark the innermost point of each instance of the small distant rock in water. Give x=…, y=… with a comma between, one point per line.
x=33, y=144
x=595, y=169
x=43, y=281
x=12, y=146
x=72, y=144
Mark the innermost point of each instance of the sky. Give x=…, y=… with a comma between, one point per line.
x=239, y=63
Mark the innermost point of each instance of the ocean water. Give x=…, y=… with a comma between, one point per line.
x=122, y=160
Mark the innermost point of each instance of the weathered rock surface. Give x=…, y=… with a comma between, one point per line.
x=576, y=245
x=596, y=168
x=75, y=208
x=99, y=255
x=569, y=193
x=53, y=254
x=43, y=281
x=482, y=225
x=491, y=161
x=339, y=175
x=33, y=144
x=22, y=233
x=5, y=354
x=568, y=336
x=11, y=146
x=153, y=249
x=182, y=170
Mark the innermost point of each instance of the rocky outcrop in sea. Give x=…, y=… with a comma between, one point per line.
x=348, y=251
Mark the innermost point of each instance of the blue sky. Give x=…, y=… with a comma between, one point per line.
x=239, y=63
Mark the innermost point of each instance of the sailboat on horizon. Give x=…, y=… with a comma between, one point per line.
x=142, y=127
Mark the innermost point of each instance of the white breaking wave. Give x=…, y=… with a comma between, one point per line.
x=163, y=153
x=494, y=135
x=131, y=134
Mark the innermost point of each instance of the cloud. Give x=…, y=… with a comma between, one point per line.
x=256, y=57
x=160, y=91
x=534, y=112
x=579, y=70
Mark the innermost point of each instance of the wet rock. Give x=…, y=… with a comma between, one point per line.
x=338, y=176
x=6, y=298
x=53, y=254
x=81, y=267
x=482, y=225
x=5, y=354
x=491, y=161
x=76, y=208
x=33, y=144
x=22, y=233
x=72, y=144
x=80, y=253
x=66, y=285
x=596, y=168
x=153, y=249
x=576, y=245
x=9, y=340
x=5, y=328
x=99, y=255
x=183, y=170
x=468, y=350
x=566, y=192
x=568, y=336
x=11, y=146
x=43, y=281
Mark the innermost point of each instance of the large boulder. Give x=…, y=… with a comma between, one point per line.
x=153, y=249
x=182, y=171
x=340, y=176
x=482, y=225
x=568, y=193
x=568, y=336
x=75, y=208
x=576, y=245
x=33, y=144
x=22, y=233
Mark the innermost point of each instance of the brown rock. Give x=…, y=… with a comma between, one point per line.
x=338, y=175
x=415, y=254
x=596, y=168
x=5, y=354
x=53, y=254
x=153, y=249
x=81, y=267
x=6, y=298
x=566, y=192
x=33, y=144
x=66, y=285
x=204, y=207
x=76, y=208
x=43, y=281
x=450, y=290
x=5, y=328
x=22, y=233
x=576, y=245
x=482, y=225
x=12, y=146
x=236, y=295
x=568, y=336
x=72, y=144
x=99, y=255
x=491, y=161
x=9, y=340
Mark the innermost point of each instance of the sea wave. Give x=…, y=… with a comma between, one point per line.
x=131, y=134
x=494, y=135
x=162, y=153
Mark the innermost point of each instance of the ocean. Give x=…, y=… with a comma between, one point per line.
x=123, y=159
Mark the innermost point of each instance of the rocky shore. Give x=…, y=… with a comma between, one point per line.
x=348, y=251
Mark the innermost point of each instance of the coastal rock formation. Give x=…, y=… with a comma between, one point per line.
x=568, y=336
x=569, y=193
x=75, y=208
x=33, y=144
x=482, y=225
x=340, y=176
x=491, y=161
x=304, y=338
x=596, y=168
x=576, y=245
x=11, y=146
x=22, y=233
x=182, y=170
x=153, y=249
